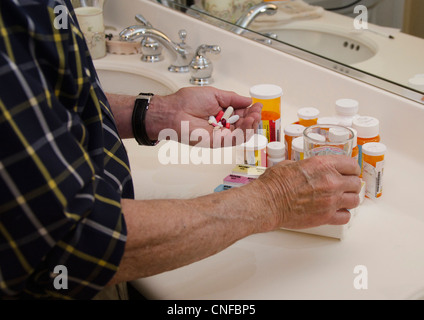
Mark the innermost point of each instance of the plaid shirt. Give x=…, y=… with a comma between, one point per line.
x=63, y=167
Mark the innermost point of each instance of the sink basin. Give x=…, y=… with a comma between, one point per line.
x=343, y=46
x=132, y=83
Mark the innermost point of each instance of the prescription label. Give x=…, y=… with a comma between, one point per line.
x=373, y=177
x=271, y=129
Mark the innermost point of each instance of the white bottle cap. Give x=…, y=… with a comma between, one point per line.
x=328, y=120
x=367, y=127
x=298, y=144
x=308, y=113
x=266, y=91
x=345, y=121
x=276, y=149
x=256, y=142
x=374, y=149
x=347, y=107
x=294, y=130
x=316, y=136
x=338, y=135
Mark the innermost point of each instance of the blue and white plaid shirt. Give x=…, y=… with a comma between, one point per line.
x=63, y=167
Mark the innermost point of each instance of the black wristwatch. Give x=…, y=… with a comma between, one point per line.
x=141, y=106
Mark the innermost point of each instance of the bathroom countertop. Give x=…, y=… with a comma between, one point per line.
x=385, y=236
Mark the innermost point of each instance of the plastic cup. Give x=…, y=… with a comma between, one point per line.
x=332, y=139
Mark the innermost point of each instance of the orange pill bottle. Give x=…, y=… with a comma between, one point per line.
x=291, y=132
x=373, y=156
x=368, y=130
x=270, y=97
x=308, y=116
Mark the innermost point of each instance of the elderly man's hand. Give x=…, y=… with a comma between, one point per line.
x=312, y=192
x=194, y=105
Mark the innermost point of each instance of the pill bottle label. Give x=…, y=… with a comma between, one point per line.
x=362, y=142
x=271, y=129
x=297, y=156
x=373, y=176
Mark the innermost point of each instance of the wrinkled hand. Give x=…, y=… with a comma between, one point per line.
x=313, y=192
x=193, y=106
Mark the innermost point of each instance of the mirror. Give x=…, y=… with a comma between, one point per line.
x=380, y=42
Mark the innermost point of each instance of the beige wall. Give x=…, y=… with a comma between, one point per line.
x=414, y=18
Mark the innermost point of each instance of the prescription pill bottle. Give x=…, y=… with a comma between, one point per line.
x=298, y=152
x=291, y=132
x=373, y=157
x=346, y=111
x=308, y=116
x=270, y=97
x=275, y=153
x=253, y=152
x=368, y=130
x=355, y=148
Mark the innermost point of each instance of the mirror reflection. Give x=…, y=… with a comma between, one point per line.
x=383, y=39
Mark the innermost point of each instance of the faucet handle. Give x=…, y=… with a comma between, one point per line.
x=151, y=50
x=201, y=67
x=182, y=34
x=181, y=65
x=201, y=50
x=142, y=20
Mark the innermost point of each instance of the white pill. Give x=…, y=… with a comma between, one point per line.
x=233, y=119
x=228, y=113
x=212, y=120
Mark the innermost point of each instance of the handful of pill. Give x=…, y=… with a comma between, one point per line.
x=224, y=119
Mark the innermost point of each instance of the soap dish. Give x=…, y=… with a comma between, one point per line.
x=115, y=46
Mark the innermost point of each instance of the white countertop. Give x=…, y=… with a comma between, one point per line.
x=386, y=237
x=387, y=234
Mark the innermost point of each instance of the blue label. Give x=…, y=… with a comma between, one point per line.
x=360, y=158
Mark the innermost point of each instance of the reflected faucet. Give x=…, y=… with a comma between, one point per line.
x=247, y=18
x=180, y=50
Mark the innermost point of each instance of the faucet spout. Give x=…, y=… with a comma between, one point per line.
x=247, y=18
x=183, y=56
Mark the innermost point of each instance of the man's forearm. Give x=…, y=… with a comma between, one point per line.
x=122, y=107
x=167, y=234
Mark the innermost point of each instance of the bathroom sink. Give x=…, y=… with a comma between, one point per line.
x=342, y=46
x=133, y=82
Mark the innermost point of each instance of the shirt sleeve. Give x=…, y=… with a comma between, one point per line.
x=62, y=165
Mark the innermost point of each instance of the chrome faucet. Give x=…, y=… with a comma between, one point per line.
x=201, y=67
x=247, y=18
x=180, y=50
x=151, y=50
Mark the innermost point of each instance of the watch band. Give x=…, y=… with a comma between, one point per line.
x=141, y=106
